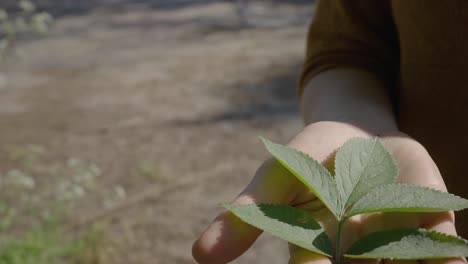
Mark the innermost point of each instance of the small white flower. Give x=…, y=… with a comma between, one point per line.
x=78, y=191
x=17, y=177
x=120, y=192
x=27, y=6
x=95, y=169
x=73, y=162
x=3, y=15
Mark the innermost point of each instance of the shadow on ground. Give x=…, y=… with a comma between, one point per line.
x=274, y=98
x=61, y=8
x=150, y=118
x=72, y=7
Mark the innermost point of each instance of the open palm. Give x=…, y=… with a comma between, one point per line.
x=228, y=237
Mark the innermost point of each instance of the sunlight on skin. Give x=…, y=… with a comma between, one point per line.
x=299, y=255
x=272, y=184
x=225, y=239
x=228, y=237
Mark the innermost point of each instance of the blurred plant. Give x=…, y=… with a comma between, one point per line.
x=150, y=170
x=36, y=220
x=49, y=243
x=26, y=21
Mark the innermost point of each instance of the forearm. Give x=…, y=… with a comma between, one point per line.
x=350, y=96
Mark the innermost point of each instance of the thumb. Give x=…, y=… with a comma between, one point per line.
x=228, y=237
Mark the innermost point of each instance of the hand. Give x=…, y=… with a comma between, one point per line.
x=228, y=237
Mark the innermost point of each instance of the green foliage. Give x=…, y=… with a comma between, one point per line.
x=150, y=170
x=408, y=244
x=406, y=198
x=310, y=172
x=27, y=21
x=361, y=165
x=364, y=183
x=288, y=223
x=46, y=244
x=35, y=219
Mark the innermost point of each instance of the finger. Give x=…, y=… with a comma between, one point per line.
x=228, y=237
x=224, y=240
x=444, y=223
x=460, y=260
x=415, y=165
x=300, y=255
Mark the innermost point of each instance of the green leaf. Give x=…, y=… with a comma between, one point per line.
x=288, y=223
x=408, y=244
x=361, y=165
x=309, y=171
x=406, y=198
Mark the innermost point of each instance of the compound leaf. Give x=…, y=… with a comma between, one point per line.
x=361, y=165
x=310, y=172
x=408, y=244
x=288, y=223
x=406, y=198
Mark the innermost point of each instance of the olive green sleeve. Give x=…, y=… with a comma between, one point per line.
x=352, y=33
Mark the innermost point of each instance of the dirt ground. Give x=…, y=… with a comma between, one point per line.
x=160, y=106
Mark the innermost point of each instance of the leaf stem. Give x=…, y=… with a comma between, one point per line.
x=338, y=257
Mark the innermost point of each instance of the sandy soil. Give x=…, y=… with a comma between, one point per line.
x=165, y=103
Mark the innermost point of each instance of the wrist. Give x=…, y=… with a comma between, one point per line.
x=354, y=128
x=351, y=97
x=322, y=138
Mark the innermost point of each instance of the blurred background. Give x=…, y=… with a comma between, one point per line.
x=124, y=124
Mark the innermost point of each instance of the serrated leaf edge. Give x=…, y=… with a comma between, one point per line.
x=335, y=213
x=426, y=231
x=229, y=206
x=347, y=215
x=374, y=140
